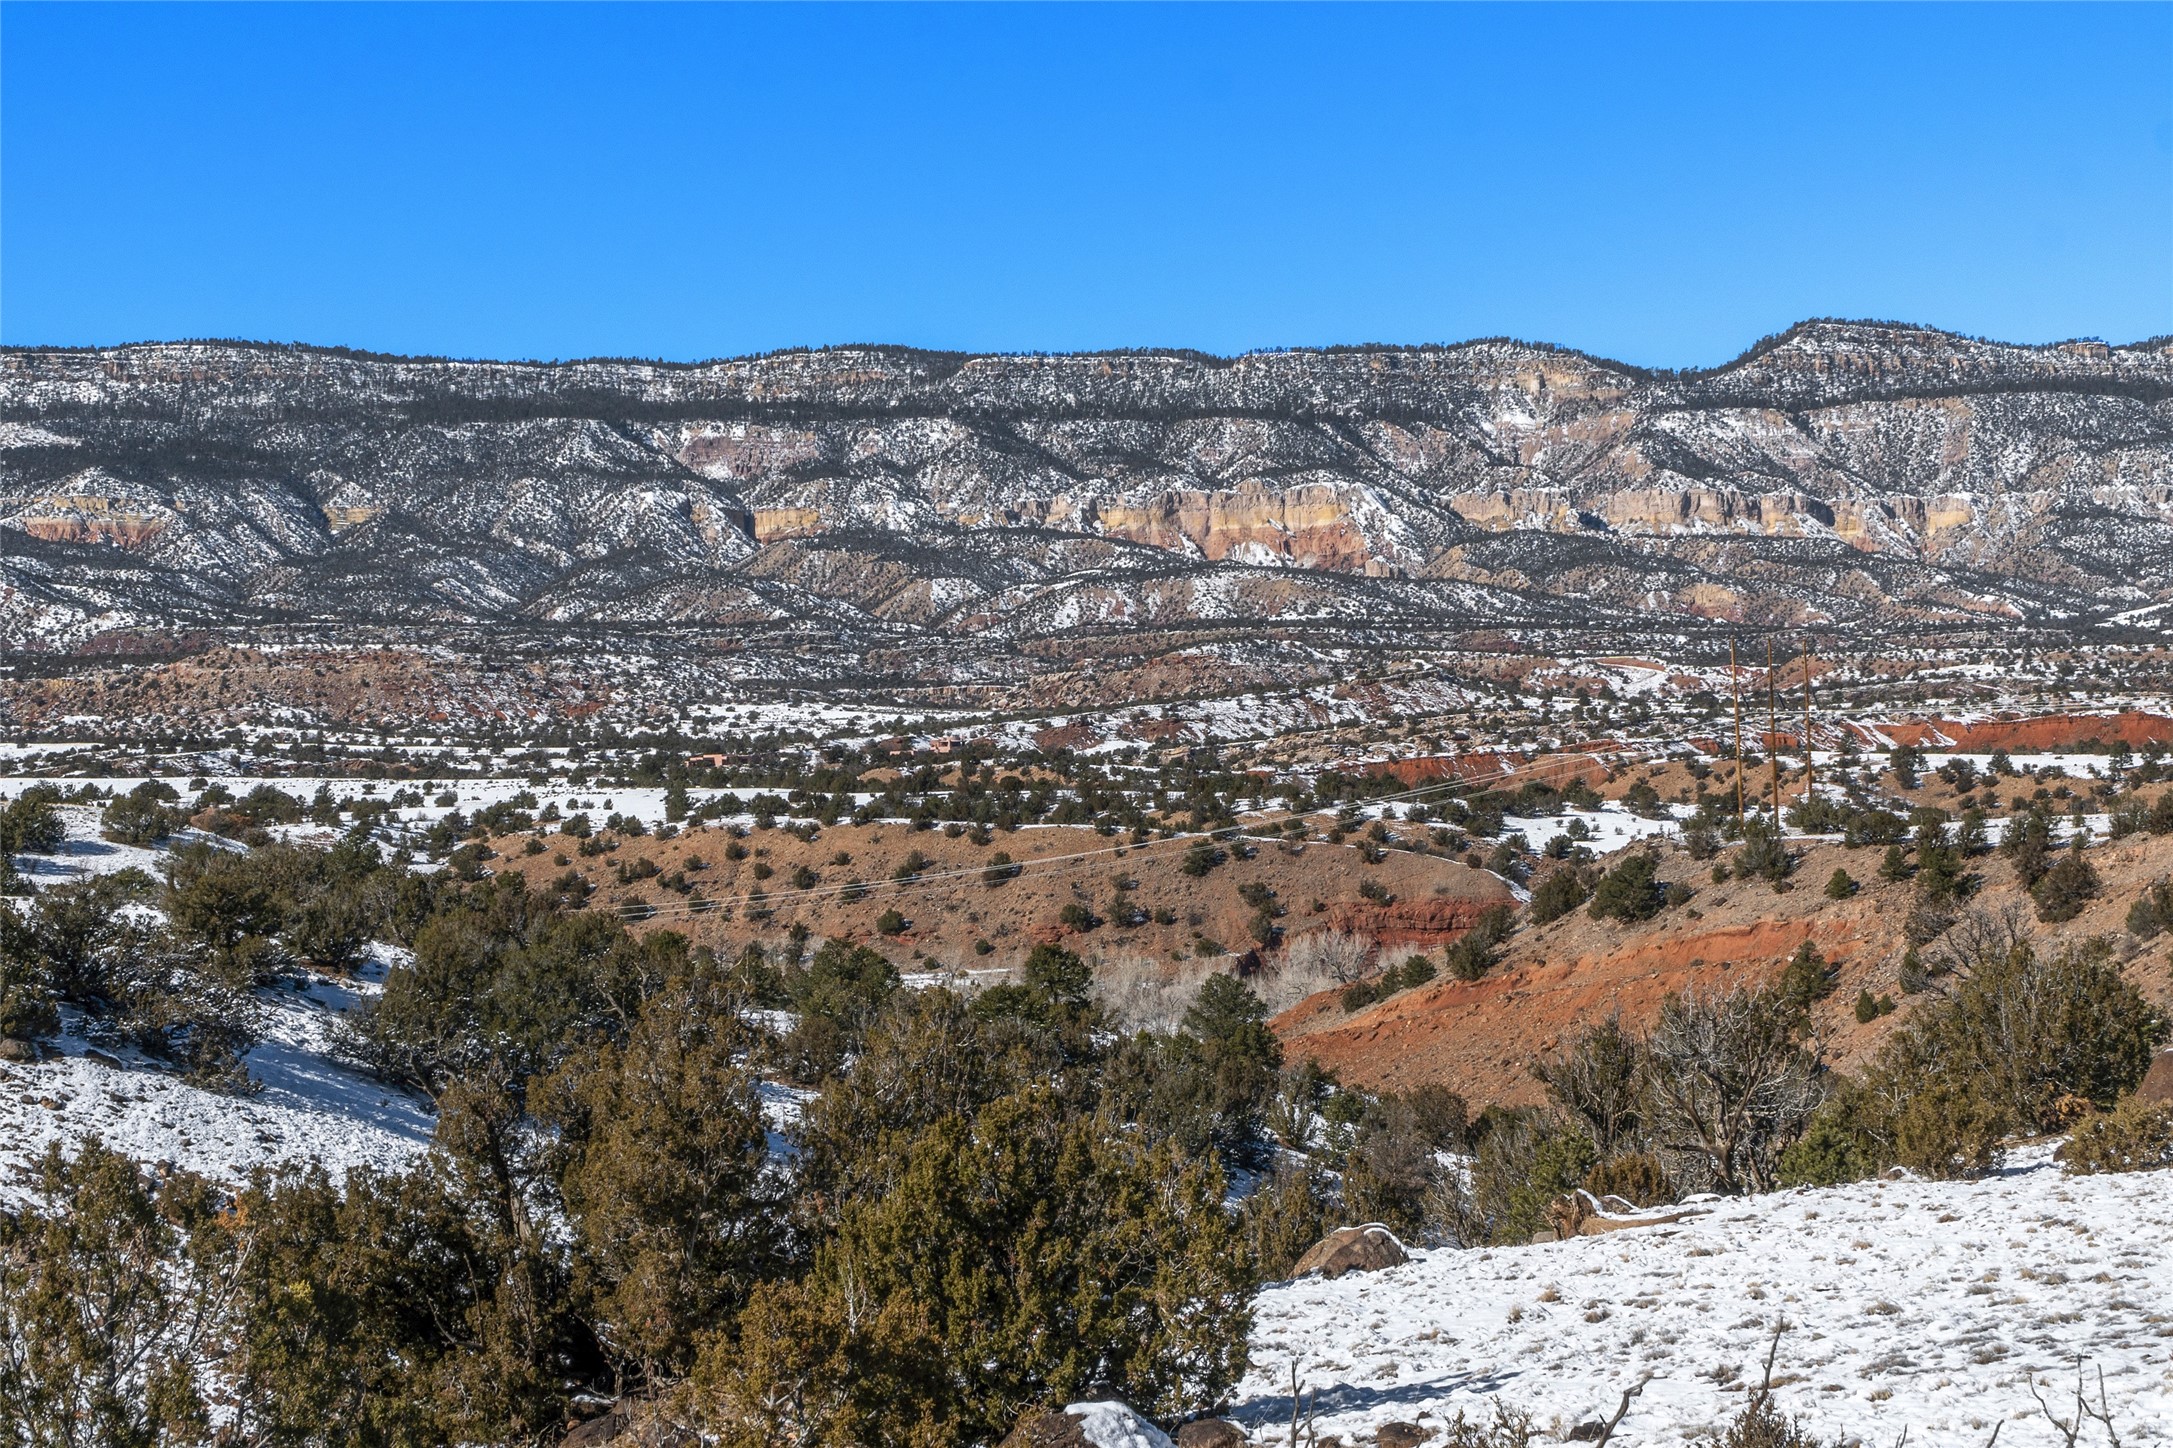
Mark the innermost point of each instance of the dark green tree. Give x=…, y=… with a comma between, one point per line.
x=1556, y=895
x=662, y=1156
x=1807, y=978
x=105, y=1324
x=1024, y=1258
x=2065, y=888
x=1630, y=891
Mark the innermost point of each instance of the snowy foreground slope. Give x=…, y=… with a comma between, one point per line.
x=1917, y=1305
x=308, y=1107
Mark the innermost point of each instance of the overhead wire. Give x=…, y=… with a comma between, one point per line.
x=1254, y=820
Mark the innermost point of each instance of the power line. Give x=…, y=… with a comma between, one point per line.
x=1259, y=819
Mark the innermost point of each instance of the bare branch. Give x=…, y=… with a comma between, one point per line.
x=2103, y=1412
x=2067, y=1430
x=1773, y=1351
x=1620, y=1410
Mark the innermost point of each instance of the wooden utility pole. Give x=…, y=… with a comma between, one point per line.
x=1773, y=732
x=1735, y=677
x=1806, y=722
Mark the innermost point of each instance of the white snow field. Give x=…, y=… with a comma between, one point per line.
x=1608, y=829
x=1915, y=1305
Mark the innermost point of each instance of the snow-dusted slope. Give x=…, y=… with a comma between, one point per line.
x=1918, y=1305
x=309, y=1107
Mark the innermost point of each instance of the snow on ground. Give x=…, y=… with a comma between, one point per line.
x=308, y=1105
x=781, y=1108
x=2099, y=825
x=310, y=1108
x=14, y=753
x=1113, y=1425
x=1253, y=715
x=1909, y=1304
x=2075, y=766
x=823, y=720
x=83, y=853
x=647, y=803
x=1610, y=827
x=2070, y=765
x=959, y=979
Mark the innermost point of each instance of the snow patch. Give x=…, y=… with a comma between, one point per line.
x=1113, y=1425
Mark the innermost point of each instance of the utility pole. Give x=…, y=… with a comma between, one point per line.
x=1735, y=677
x=1773, y=733
x=1807, y=722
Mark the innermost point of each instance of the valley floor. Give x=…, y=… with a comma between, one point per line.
x=1925, y=1306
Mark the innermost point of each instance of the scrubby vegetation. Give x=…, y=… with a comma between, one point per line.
x=2132, y=1137
x=176, y=981
x=995, y=1203
x=992, y=1200
x=1726, y=1091
x=2023, y=1043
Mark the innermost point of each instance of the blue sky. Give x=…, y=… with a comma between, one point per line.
x=1658, y=184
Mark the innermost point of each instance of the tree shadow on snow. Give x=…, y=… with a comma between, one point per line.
x=1329, y=1399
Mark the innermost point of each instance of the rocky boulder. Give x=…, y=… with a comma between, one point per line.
x=1400, y=1435
x=2157, y=1086
x=1352, y=1249
x=1211, y=1433
x=1087, y=1425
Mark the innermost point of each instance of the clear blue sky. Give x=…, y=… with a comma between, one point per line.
x=1653, y=183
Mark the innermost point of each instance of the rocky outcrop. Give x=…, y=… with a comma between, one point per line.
x=1319, y=526
x=1401, y=1435
x=91, y=508
x=1352, y=1249
x=1420, y=924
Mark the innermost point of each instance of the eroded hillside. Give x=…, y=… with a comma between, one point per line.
x=871, y=500
x=1558, y=978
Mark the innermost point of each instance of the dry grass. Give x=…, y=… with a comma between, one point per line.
x=1313, y=962
x=1141, y=993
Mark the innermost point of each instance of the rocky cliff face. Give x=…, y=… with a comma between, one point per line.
x=1844, y=475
